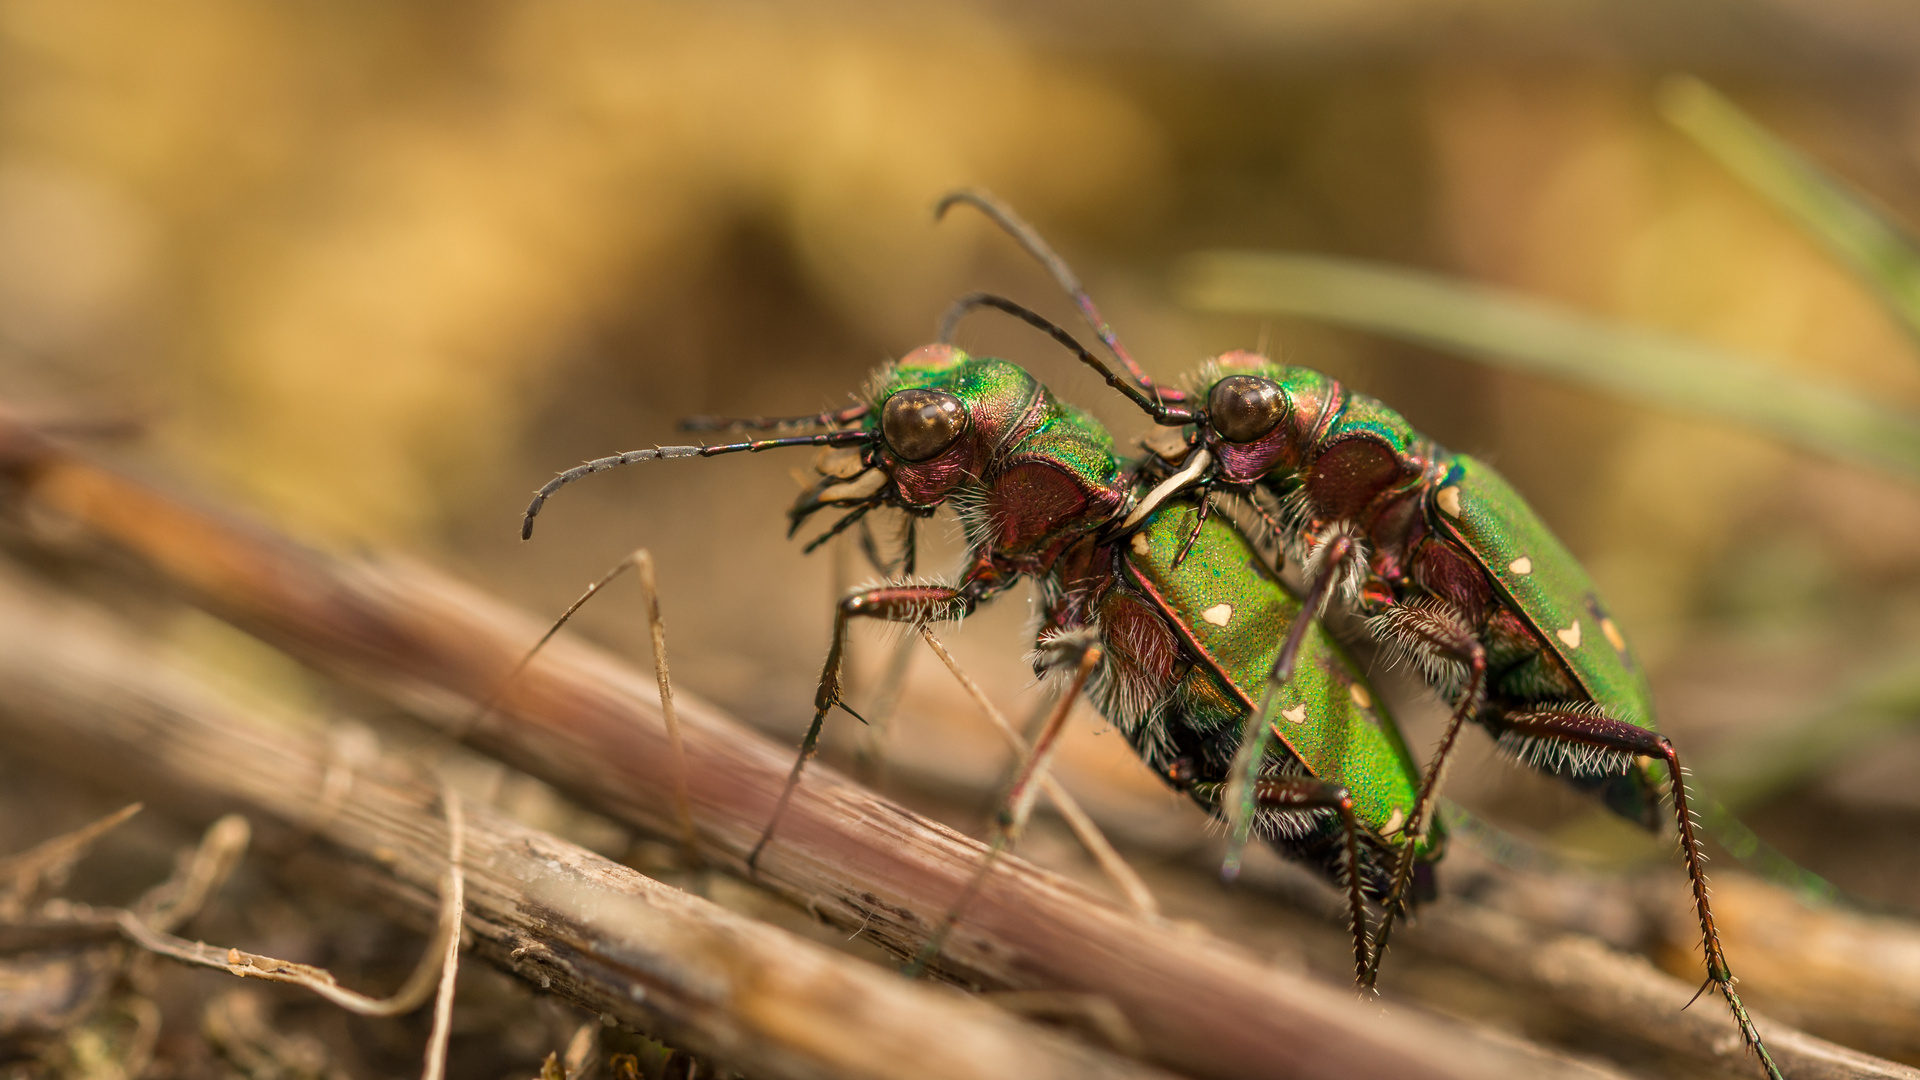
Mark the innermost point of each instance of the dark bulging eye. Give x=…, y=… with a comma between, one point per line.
x=1243, y=408
x=920, y=424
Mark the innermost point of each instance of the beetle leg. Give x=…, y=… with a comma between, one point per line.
x=1199, y=520
x=1244, y=774
x=1017, y=806
x=657, y=628
x=1077, y=819
x=894, y=603
x=1310, y=793
x=640, y=561
x=1607, y=735
x=1438, y=639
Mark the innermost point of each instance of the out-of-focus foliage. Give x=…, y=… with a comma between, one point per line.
x=1877, y=249
x=1669, y=372
x=356, y=238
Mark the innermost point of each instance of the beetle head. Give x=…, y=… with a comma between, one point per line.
x=1257, y=415
x=935, y=421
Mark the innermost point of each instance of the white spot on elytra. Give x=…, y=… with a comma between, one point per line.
x=1449, y=500
x=1218, y=614
x=1571, y=635
x=1395, y=823
x=1614, y=637
x=1360, y=695
x=1296, y=715
x=1140, y=545
x=1521, y=565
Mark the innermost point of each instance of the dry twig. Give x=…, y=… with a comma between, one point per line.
x=594, y=931
x=586, y=724
x=25, y=875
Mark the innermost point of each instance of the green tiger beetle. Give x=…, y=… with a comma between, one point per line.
x=1175, y=651
x=1450, y=569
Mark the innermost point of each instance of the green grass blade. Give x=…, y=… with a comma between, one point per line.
x=1757, y=767
x=1526, y=335
x=1863, y=238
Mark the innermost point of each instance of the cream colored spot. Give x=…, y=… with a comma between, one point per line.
x=1295, y=715
x=1360, y=695
x=1218, y=614
x=1140, y=545
x=1614, y=637
x=1571, y=635
x=1449, y=500
x=1521, y=565
x=1395, y=823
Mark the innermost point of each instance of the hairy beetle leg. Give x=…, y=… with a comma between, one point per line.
x=893, y=603
x=1077, y=819
x=1603, y=733
x=1426, y=633
x=1309, y=793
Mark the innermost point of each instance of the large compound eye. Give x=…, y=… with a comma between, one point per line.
x=919, y=424
x=1243, y=408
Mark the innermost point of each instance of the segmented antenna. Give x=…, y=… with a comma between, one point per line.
x=1162, y=413
x=659, y=453
x=774, y=423
x=1029, y=238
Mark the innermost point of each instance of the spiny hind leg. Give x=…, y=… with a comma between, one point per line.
x=1542, y=734
x=1310, y=793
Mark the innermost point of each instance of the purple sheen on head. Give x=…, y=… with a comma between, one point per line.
x=1243, y=463
x=926, y=483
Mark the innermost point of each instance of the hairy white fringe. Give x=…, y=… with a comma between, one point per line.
x=1353, y=573
x=1402, y=645
x=1562, y=757
x=1140, y=718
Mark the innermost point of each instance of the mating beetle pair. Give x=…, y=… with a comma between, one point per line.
x=1226, y=684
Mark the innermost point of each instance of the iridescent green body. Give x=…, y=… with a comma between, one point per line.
x=1445, y=529
x=1450, y=568
x=1234, y=613
x=1224, y=614
x=1541, y=578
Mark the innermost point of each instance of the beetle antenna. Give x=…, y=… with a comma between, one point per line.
x=1162, y=413
x=659, y=453
x=764, y=423
x=1029, y=238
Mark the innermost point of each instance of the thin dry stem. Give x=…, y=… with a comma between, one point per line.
x=454, y=909
x=220, y=851
x=207, y=867
x=25, y=874
x=642, y=561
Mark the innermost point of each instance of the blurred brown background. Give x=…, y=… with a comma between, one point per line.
x=380, y=269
